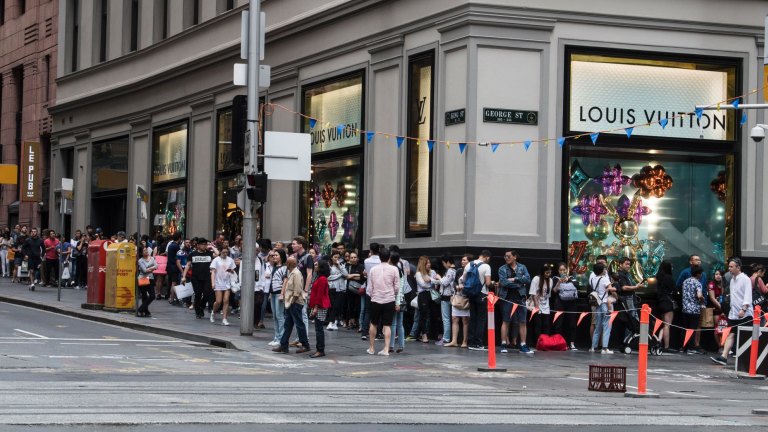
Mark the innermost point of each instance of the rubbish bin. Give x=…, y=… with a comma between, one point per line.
x=97, y=265
x=120, y=283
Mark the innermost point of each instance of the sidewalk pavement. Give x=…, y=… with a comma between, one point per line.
x=167, y=320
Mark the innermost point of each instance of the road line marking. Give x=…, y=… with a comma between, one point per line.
x=30, y=333
x=686, y=394
x=105, y=340
x=90, y=344
x=23, y=342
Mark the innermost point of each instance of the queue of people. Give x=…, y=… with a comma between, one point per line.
x=383, y=296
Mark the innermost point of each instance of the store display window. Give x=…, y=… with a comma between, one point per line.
x=331, y=204
x=648, y=207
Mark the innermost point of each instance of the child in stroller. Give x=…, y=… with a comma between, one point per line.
x=632, y=323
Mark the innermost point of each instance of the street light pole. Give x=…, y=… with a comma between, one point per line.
x=248, y=264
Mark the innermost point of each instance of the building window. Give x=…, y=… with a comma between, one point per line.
x=196, y=12
x=47, y=78
x=418, y=209
x=103, y=23
x=73, y=22
x=160, y=24
x=224, y=5
x=2, y=12
x=134, y=26
x=109, y=183
x=331, y=203
x=169, y=176
x=228, y=217
x=22, y=7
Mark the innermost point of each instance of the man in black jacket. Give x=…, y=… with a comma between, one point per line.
x=33, y=249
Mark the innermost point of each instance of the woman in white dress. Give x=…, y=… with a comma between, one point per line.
x=222, y=271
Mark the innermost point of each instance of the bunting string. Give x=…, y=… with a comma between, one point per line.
x=593, y=136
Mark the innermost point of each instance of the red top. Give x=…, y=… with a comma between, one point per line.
x=318, y=297
x=51, y=254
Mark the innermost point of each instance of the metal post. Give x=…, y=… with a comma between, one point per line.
x=61, y=267
x=247, y=297
x=491, y=336
x=136, y=295
x=642, y=360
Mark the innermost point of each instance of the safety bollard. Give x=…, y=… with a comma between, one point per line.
x=642, y=357
x=754, y=348
x=492, y=299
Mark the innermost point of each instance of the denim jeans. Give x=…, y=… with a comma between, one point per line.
x=478, y=315
x=415, y=326
x=293, y=317
x=278, y=312
x=398, y=329
x=445, y=309
x=602, y=321
x=365, y=316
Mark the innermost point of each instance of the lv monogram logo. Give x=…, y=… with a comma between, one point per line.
x=422, y=105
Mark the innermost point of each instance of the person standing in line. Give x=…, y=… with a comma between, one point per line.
x=398, y=330
x=665, y=288
x=693, y=299
x=306, y=264
x=5, y=244
x=293, y=295
x=147, y=292
x=172, y=265
x=199, y=262
x=460, y=315
x=365, y=300
x=276, y=298
x=478, y=311
x=567, y=301
x=265, y=246
x=425, y=281
x=51, y=259
x=513, y=279
x=355, y=288
x=222, y=271
x=33, y=250
x=338, y=287
x=694, y=260
x=447, y=283
x=602, y=289
x=319, y=303
x=626, y=291
x=540, y=292
x=741, y=311
x=601, y=259
x=383, y=286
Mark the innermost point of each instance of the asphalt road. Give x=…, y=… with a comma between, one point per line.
x=62, y=373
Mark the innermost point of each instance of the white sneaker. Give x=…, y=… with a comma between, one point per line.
x=274, y=343
x=606, y=351
x=330, y=326
x=213, y=317
x=224, y=322
x=573, y=347
x=335, y=325
x=591, y=350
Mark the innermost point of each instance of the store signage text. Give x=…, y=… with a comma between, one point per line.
x=499, y=115
x=172, y=169
x=332, y=133
x=30, y=171
x=631, y=116
x=455, y=117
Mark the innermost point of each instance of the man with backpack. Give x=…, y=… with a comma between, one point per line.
x=476, y=280
x=513, y=282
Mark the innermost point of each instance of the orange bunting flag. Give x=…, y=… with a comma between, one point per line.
x=533, y=312
x=581, y=317
x=557, y=315
x=514, y=308
x=688, y=334
x=657, y=326
x=614, y=314
x=726, y=332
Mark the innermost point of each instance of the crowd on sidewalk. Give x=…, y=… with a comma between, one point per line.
x=383, y=296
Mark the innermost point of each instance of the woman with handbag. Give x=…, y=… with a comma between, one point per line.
x=446, y=291
x=319, y=303
x=459, y=312
x=540, y=291
x=665, y=305
x=567, y=301
x=425, y=280
x=147, y=266
x=338, y=287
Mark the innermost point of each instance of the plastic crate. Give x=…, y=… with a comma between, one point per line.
x=608, y=378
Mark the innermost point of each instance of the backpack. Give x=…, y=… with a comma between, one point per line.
x=472, y=284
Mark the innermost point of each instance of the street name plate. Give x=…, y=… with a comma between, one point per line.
x=501, y=115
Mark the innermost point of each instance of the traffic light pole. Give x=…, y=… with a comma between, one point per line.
x=248, y=264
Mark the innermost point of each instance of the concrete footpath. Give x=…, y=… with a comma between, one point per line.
x=173, y=321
